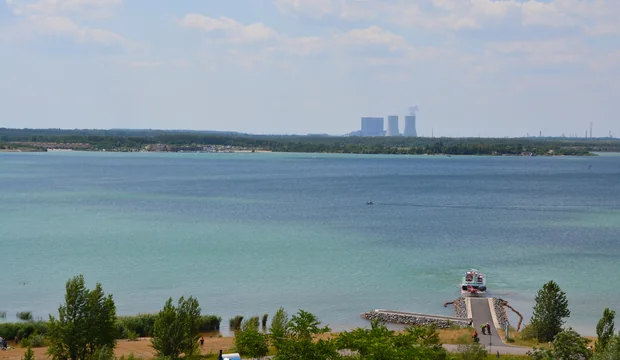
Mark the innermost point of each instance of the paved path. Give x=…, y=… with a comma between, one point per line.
x=481, y=314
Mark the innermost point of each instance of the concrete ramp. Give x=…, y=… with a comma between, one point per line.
x=481, y=313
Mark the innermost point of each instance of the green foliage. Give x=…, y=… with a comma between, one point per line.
x=469, y=350
x=131, y=356
x=298, y=342
x=382, y=344
x=235, y=323
x=86, y=323
x=549, y=312
x=22, y=329
x=210, y=323
x=132, y=335
x=35, y=340
x=103, y=353
x=141, y=324
x=29, y=354
x=24, y=315
x=528, y=332
x=568, y=345
x=611, y=351
x=264, y=320
x=249, y=341
x=605, y=330
x=279, y=327
x=177, y=328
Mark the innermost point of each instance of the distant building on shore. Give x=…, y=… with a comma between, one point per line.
x=372, y=126
x=392, y=126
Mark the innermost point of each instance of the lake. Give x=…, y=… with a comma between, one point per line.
x=248, y=233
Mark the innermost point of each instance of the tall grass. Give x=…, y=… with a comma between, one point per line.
x=264, y=320
x=22, y=329
x=235, y=323
x=24, y=315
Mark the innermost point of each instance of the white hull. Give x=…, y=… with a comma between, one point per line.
x=474, y=284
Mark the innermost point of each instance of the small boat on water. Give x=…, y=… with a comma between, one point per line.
x=474, y=284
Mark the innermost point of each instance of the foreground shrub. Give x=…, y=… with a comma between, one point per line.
x=29, y=354
x=34, y=340
x=249, y=341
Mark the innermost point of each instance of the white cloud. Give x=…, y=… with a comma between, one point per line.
x=54, y=7
x=593, y=17
x=62, y=26
x=233, y=30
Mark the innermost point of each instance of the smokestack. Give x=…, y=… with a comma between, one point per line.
x=590, y=130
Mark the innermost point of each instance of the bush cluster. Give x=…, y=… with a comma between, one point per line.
x=128, y=327
x=23, y=329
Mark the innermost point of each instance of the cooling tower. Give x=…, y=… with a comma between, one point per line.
x=410, y=126
x=392, y=126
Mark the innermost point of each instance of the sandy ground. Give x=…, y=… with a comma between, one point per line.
x=140, y=348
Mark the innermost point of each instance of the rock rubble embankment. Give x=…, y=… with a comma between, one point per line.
x=500, y=312
x=460, y=308
x=412, y=320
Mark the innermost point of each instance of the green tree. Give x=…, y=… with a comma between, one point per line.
x=549, y=312
x=29, y=354
x=251, y=342
x=299, y=341
x=85, y=324
x=612, y=350
x=605, y=330
x=569, y=345
x=176, y=329
x=380, y=343
x=279, y=327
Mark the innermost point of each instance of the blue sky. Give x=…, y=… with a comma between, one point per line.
x=474, y=67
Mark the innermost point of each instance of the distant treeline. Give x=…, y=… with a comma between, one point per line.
x=194, y=140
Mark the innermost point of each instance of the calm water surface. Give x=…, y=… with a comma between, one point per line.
x=248, y=233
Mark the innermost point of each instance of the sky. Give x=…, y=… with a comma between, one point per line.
x=473, y=67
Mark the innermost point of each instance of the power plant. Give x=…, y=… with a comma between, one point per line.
x=392, y=126
x=373, y=126
x=410, y=122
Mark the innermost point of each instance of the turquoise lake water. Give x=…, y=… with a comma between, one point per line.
x=248, y=233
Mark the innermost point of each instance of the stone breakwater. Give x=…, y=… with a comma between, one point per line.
x=500, y=312
x=460, y=308
x=412, y=319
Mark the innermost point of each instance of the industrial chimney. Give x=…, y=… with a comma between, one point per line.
x=392, y=126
